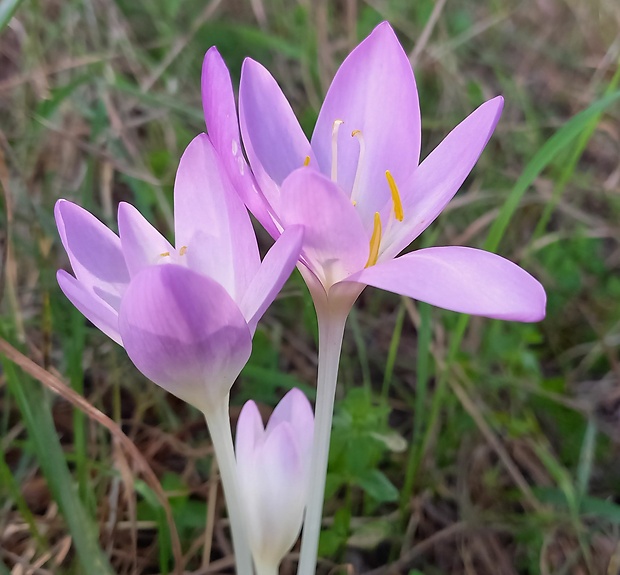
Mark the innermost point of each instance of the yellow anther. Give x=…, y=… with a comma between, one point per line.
x=354, y=203
x=355, y=133
x=398, y=205
x=183, y=250
x=164, y=255
x=375, y=242
x=307, y=161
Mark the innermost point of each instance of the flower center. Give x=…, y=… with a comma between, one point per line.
x=397, y=212
x=172, y=257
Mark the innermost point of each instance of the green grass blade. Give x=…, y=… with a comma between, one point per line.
x=564, y=137
x=36, y=415
x=392, y=352
x=571, y=164
x=7, y=9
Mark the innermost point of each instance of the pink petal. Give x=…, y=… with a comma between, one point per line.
x=335, y=243
x=295, y=409
x=373, y=91
x=94, y=251
x=95, y=309
x=184, y=332
x=461, y=279
x=250, y=432
x=206, y=205
x=441, y=174
x=272, y=136
x=142, y=244
x=271, y=276
x=218, y=102
x=278, y=496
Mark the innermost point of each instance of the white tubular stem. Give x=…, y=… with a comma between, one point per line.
x=218, y=422
x=331, y=329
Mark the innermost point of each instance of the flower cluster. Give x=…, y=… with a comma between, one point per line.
x=341, y=207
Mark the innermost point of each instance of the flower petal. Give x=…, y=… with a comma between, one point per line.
x=272, y=492
x=94, y=251
x=271, y=276
x=295, y=409
x=250, y=432
x=272, y=136
x=184, y=332
x=95, y=309
x=206, y=205
x=374, y=91
x=220, y=112
x=441, y=174
x=142, y=244
x=335, y=242
x=461, y=279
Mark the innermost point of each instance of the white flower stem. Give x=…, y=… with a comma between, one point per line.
x=218, y=422
x=266, y=569
x=331, y=319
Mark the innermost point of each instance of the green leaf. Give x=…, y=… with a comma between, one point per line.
x=377, y=485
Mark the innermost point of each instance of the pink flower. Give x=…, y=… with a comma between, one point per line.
x=273, y=470
x=185, y=313
x=357, y=188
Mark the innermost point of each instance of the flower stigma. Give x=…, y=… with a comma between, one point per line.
x=375, y=242
x=360, y=161
x=335, y=127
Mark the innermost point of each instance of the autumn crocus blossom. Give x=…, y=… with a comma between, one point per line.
x=357, y=188
x=362, y=196
x=186, y=313
x=273, y=466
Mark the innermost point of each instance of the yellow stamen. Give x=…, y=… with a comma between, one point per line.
x=398, y=205
x=183, y=250
x=375, y=242
x=335, y=127
x=355, y=133
x=307, y=161
x=164, y=255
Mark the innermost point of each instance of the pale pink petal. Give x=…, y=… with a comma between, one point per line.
x=373, y=91
x=272, y=136
x=335, y=243
x=220, y=112
x=250, y=432
x=271, y=276
x=461, y=279
x=95, y=309
x=142, y=244
x=295, y=409
x=206, y=205
x=440, y=176
x=184, y=332
x=279, y=496
x=94, y=251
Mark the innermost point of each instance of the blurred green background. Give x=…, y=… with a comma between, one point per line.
x=460, y=446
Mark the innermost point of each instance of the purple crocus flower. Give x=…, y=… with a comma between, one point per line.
x=362, y=196
x=185, y=313
x=357, y=187
x=273, y=465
